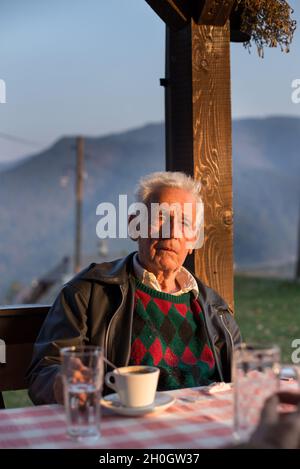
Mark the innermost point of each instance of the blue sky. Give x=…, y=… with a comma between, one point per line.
x=93, y=66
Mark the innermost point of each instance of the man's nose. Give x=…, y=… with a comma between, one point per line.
x=169, y=227
x=172, y=227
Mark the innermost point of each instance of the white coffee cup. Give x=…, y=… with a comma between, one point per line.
x=135, y=385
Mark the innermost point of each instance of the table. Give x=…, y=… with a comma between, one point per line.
x=205, y=423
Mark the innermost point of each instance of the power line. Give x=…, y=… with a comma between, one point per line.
x=14, y=138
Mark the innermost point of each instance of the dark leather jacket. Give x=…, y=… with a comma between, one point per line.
x=96, y=307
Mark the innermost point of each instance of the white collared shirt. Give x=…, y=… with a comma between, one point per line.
x=184, y=279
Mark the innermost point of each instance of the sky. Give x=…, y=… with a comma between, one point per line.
x=92, y=67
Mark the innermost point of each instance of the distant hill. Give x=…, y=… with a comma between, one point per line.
x=4, y=166
x=266, y=175
x=37, y=195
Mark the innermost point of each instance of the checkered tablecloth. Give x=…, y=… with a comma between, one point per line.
x=204, y=423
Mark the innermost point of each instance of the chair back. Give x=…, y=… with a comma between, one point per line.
x=19, y=328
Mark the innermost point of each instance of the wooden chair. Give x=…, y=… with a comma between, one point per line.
x=19, y=328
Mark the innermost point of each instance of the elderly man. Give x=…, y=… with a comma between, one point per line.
x=145, y=309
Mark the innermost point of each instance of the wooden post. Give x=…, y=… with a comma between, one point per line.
x=79, y=198
x=198, y=139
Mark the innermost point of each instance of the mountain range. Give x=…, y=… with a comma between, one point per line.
x=38, y=203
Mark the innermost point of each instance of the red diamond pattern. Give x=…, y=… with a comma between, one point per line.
x=170, y=358
x=163, y=305
x=143, y=296
x=156, y=351
x=182, y=309
x=207, y=356
x=188, y=357
x=168, y=333
x=138, y=351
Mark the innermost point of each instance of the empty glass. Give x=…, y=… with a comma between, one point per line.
x=82, y=371
x=256, y=371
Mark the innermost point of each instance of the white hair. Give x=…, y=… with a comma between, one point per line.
x=151, y=183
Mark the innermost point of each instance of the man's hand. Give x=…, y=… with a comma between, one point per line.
x=79, y=373
x=275, y=429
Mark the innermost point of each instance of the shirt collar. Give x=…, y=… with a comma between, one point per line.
x=184, y=278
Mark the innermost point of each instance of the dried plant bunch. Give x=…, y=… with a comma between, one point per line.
x=269, y=22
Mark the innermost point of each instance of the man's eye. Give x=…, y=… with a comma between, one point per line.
x=186, y=223
x=162, y=216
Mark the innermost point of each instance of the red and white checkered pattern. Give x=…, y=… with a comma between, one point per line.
x=206, y=423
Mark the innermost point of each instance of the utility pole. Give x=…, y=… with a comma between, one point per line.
x=79, y=199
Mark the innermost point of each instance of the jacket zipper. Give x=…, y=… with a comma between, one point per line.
x=229, y=333
x=109, y=326
x=231, y=339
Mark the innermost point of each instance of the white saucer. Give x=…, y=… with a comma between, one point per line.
x=162, y=402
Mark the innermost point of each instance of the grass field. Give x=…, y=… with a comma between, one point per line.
x=267, y=310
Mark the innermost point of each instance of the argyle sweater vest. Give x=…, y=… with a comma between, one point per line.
x=169, y=332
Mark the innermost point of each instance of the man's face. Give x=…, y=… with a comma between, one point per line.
x=169, y=240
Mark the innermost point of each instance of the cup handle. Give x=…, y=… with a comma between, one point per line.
x=108, y=381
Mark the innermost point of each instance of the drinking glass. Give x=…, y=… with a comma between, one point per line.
x=82, y=371
x=256, y=371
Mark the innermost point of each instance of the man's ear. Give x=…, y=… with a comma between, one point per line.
x=132, y=236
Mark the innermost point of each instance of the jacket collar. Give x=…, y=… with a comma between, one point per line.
x=117, y=272
x=114, y=272
x=185, y=279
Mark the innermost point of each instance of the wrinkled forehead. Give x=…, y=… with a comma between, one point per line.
x=175, y=201
x=171, y=196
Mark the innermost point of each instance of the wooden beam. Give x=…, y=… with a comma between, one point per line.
x=198, y=139
x=213, y=154
x=212, y=12
x=178, y=101
x=177, y=14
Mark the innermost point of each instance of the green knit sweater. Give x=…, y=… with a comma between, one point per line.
x=169, y=332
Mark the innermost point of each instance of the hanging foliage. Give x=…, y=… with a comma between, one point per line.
x=269, y=23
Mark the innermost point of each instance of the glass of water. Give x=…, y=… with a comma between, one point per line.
x=256, y=373
x=82, y=371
